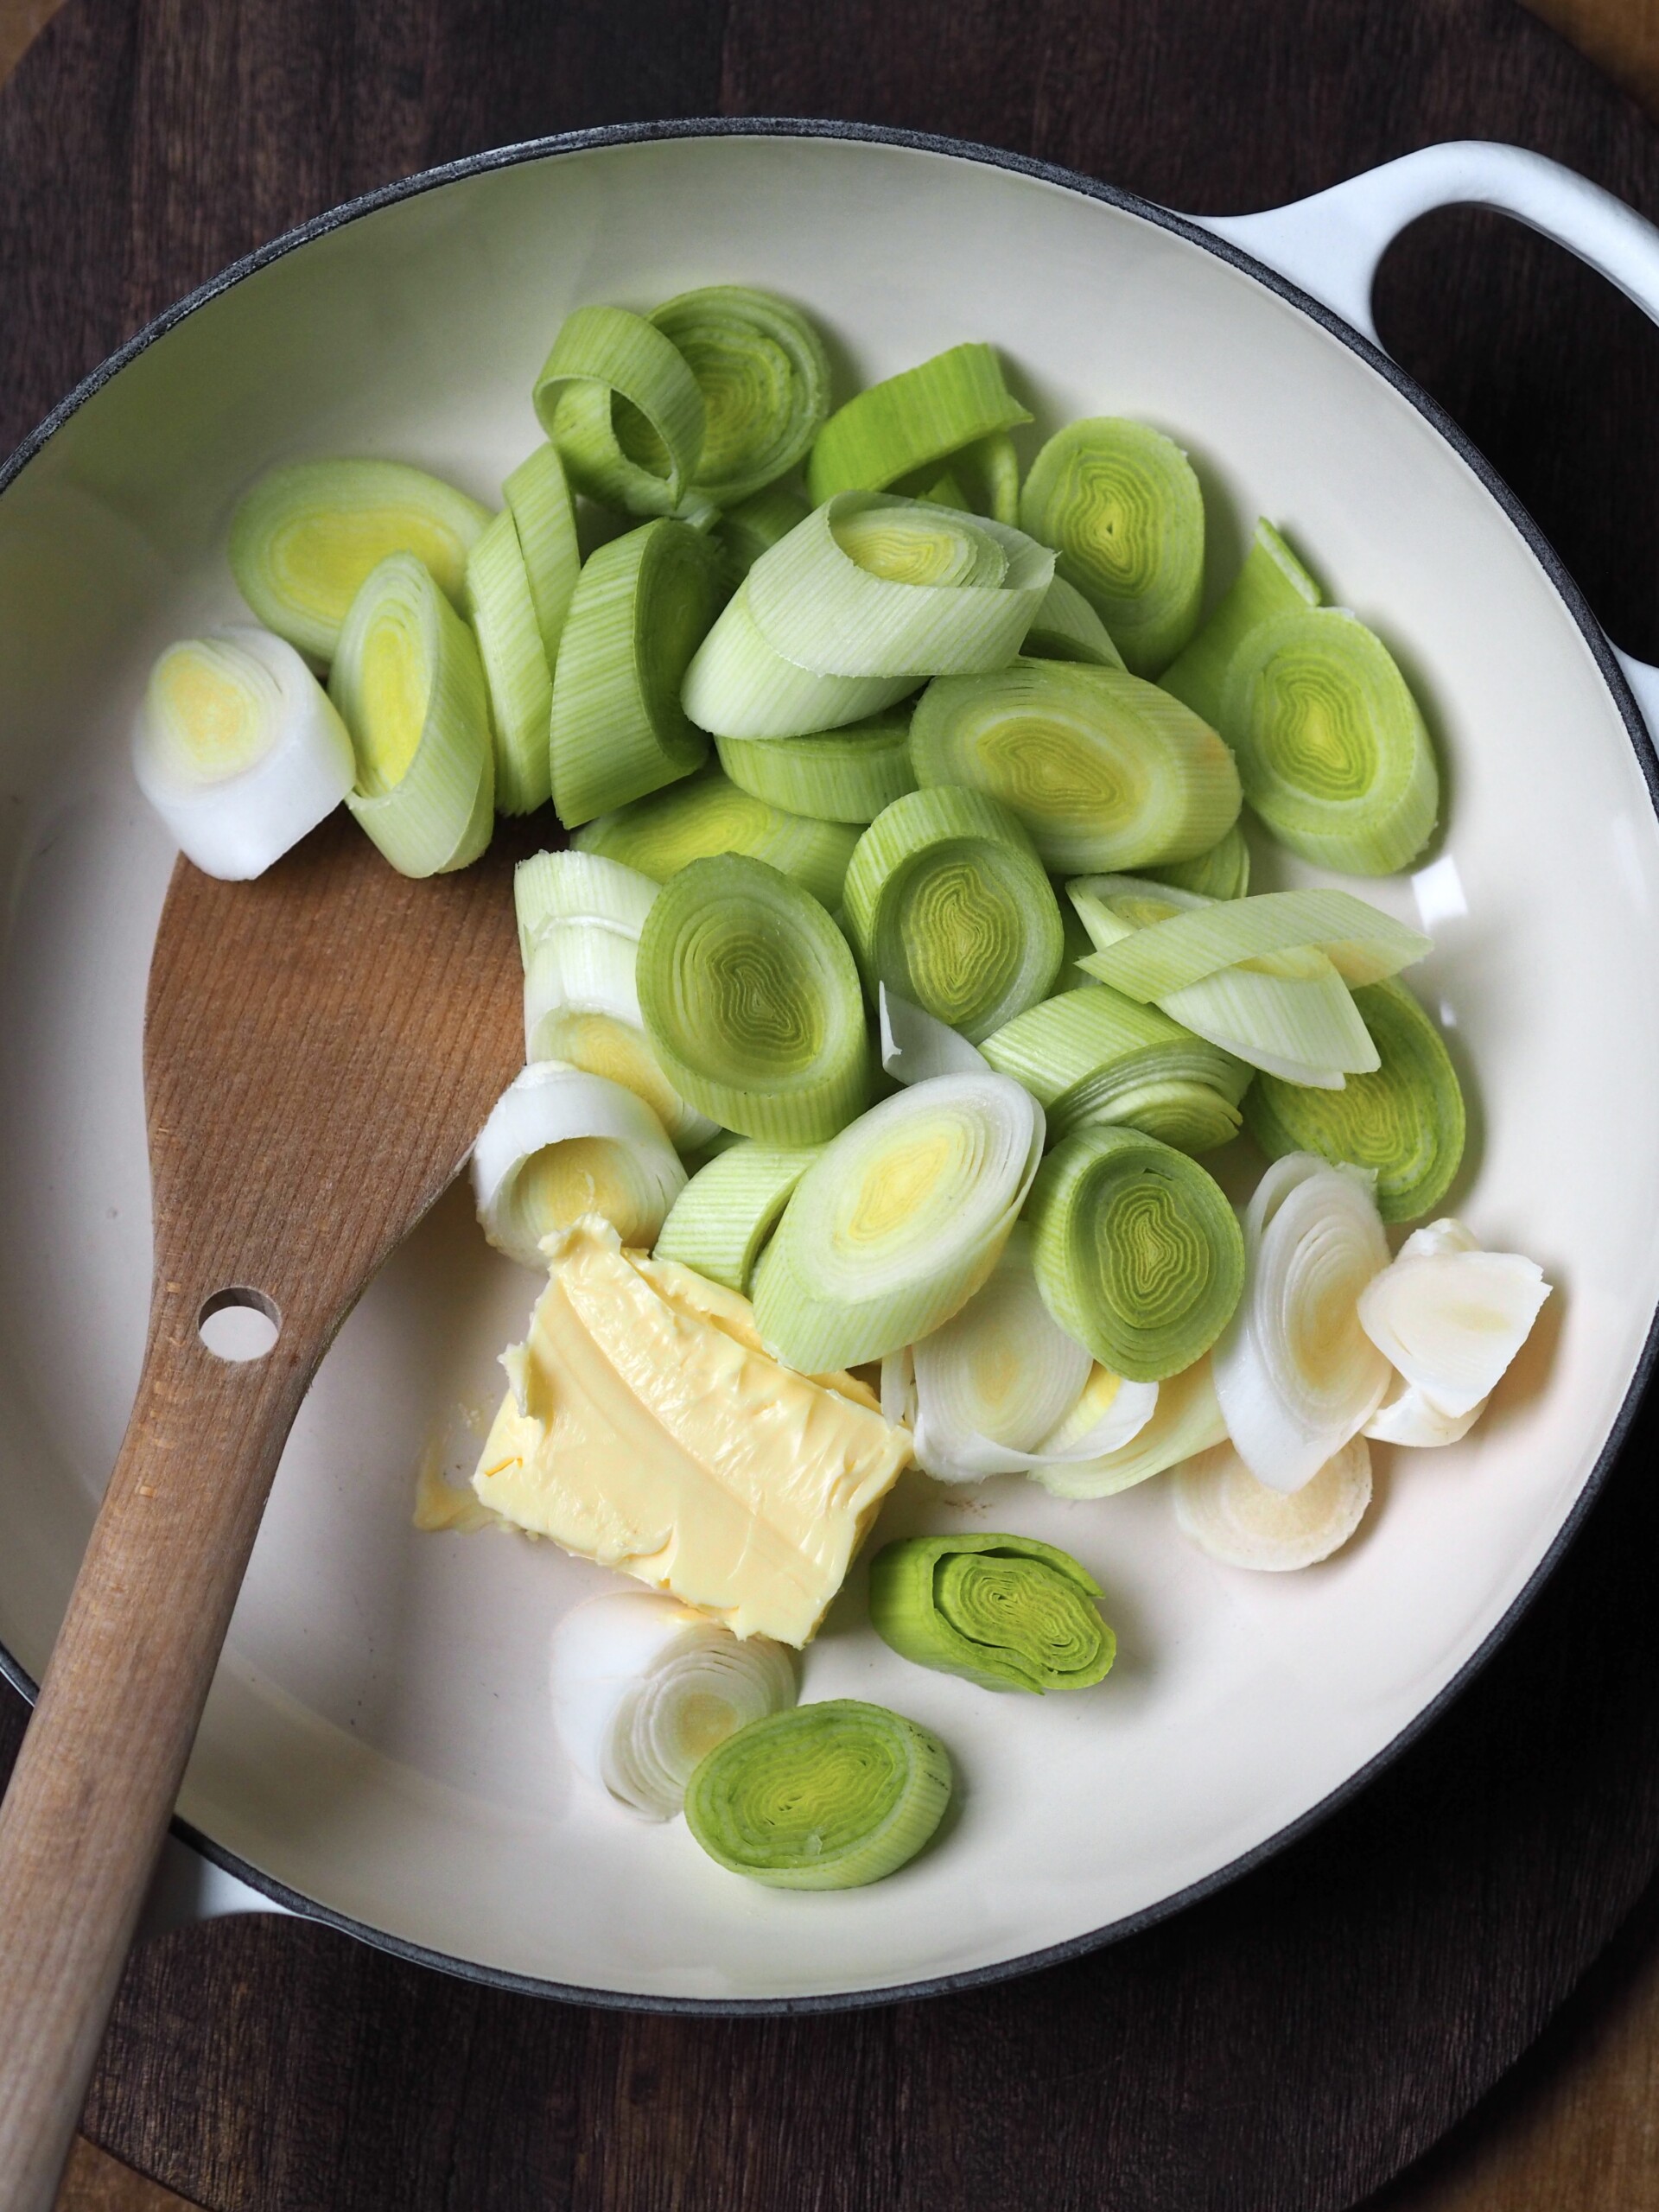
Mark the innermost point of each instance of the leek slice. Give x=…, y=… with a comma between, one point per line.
x=1272, y=582
x=305, y=538
x=239, y=749
x=1007, y=1612
x=1104, y=770
x=503, y=616
x=1137, y=1253
x=916, y=1045
x=1223, y=1508
x=644, y=1687
x=752, y=1000
x=618, y=399
x=1170, y=952
x=755, y=524
x=1332, y=751
x=827, y=1797
x=1406, y=1416
x=560, y=1144
x=1451, y=1317
x=641, y=606
x=1405, y=1121
x=737, y=686
x=709, y=815
x=947, y=905
x=1093, y=1058
x=538, y=500
x=893, y=1229
x=1120, y=504
x=841, y=775
x=1186, y=1419
x=409, y=688
x=1066, y=627
x=725, y=1212
x=1222, y=872
x=912, y=421
x=983, y=479
x=575, y=886
x=1295, y=1375
x=765, y=380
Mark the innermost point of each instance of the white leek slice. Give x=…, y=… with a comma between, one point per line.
x=722, y=1219
x=577, y=886
x=1450, y=1321
x=239, y=749
x=561, y=1143
x=896, y=1226
x=916, y=1045
x=1186, y=1419
x=1223, y=1508
x=643, y=1687
x=1406, y=1416
x=1295, y=1374
x=503, y=616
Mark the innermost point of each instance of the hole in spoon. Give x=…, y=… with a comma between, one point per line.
x=239, y=1323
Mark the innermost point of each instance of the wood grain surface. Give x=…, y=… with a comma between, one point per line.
x=1287, y=2045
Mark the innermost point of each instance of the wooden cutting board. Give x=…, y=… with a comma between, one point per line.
x=1287, y=2045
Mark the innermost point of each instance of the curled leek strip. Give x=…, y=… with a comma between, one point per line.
x=1222, y=872
x=1137, y=1253
x=946, y=903
x=708, y=815
x=1272, y=582
x=561, y=1144
x=409, y=688
x=1451, y=1317
x=841, y=775
x=1120, y=504
x=239, y=750
x=912, y=421
x=1007, y=1612
x=644, y=1687
x=983, y=479
x=503, y=616
x=538, y=500
x=641, y=606
x=1405, y=1121
x=725, y=1212
x=1295, y=1375
x=1066, y=627
x=765, y=380
x=1223, y=1508
x=755, y=524
x=307, y=536
x=896, y=1226
x=1104, y=770
x=827, y=1797
x=1186, y=1420
x=1165, y=954
x=737, y=686
x=618, y=399
x=1332, y=750
x=753, y=1003
x=916, y=1046
x=1093, y=1057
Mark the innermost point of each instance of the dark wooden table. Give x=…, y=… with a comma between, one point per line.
x=1288, y=2045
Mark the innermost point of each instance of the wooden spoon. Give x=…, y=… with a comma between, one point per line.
x=320, y=1048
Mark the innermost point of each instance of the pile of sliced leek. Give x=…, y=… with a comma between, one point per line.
x=901, y=971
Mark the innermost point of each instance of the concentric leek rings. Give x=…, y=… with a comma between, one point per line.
x=1007, y=1612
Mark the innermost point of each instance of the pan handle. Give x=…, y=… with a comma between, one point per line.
x=1330, y=244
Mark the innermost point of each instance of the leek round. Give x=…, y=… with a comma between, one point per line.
x=1186, y=1420
x=916, y=1045
x=568, y=886
x=753, y=1003
x=538, y=500
x=840, y=775
x=503, y=616
x=1121, y=506
x=1450, y=1321
x=1105, y=771
x=765, y=380
x=746, y=532
x=1007, y=1612
x=239, y=749
x=409, y=688
x=708, y=815
x=911, y=421
x=619, y=401
x=1405, y=1121
x=644, y=1687
x=1066, y=627
x=1137, y=1253
x=559, y=1144
x=1296, y=1375
x=1222, y=872
x=725, y=1212
x=1332, y=750
x=946, y=903
x=1223, y=1508
x=306, y=538
x=1271, y=582
x=894, y=1229
x=826, y=1797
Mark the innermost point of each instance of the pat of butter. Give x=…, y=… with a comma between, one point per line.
x=645, y=1429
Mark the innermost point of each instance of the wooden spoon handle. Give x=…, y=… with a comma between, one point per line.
x=101, y=1764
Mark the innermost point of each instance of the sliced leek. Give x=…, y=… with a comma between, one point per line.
x=841, y=775
x=1405, y=1121
x=538, y=500
x=725, y=1212
x=763, y=377
x=984, y=477
x=239, y=749
x=561, y=1143
x=1186, y=1419
x=753, y=1003
x=409, y=688
x=502, y=616
x=1406, y=1416
x=946, y=903
x=739, y=686
x=1104, y=770
x=1066, y=627
x=644, y=1687
x=1007, y=1612
x=1450, y=1320
x=1137, y=1253
x=709, y=815
x=577, y=887
x=1362, y=943
x=915, y=1045
x=305, y=538
x=912, y=421
x=896, y=1226
x=641, y=606
x=755, y=524
x=1295, y=1375
x=826, y=1797
x=619, y=401
x=1272, y=582
x=1223, y=1508
x=1222, y=872
x=1120, y=504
